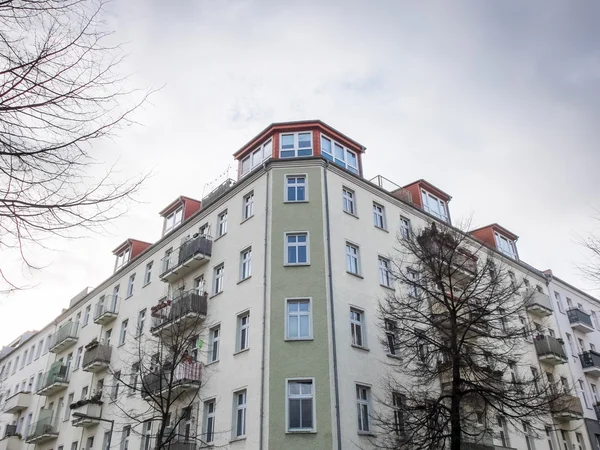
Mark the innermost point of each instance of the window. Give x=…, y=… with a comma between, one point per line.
x=300, y=405
x=413, y=280
x=580, y=441
x=74, y=445
x=89, y=443
x=105, y=441
x=199, y=285
x=357, y=327
x=123, y=333
x=340, y=155
x=362, y=403
x=78, y=357
x=254, y=159
x=352, y=260
x=571, y=344
x=39, y=349
x=348, y=201
x=248, y=206
x=115, y=387
x=404, y=227
x=70, y=400
x=219, y=273
x=385, y=278
x=595, y=319
x=146, y=435
x=535, y=377
x=243, y=325
x=503, y=435
x=594, y=392
x=379, y=216
x=84, y=392
x=215, y=339
x=240, y=413
x=559, y=302
x=581, y=345
x=133, y=378
x=299, y=319
x=528, y=436
x=140, y=322
x=222, y=224
x=505, y=246
x=246, y=263
x=549, y=437
x=209, y=421
x=173, y=219
x=16, y=365
x=86, y=317
x=107, y=335
x=130, y=285
x=434, y=205
x=24, y=358
x=295, y=144
x=125, y=437
x=148, y=272
x=583, y=393
x=398, y=406
x=296, y=248
x=295, y=188
x=391, y=328
x=569, y=303
x=592, y=347
x=122, y=258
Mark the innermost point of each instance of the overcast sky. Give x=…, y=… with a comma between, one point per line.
x=497, y=103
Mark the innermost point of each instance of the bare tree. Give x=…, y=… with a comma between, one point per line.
x=60, y=91
x=592, y=244
x=158, y=386
x=458, y=326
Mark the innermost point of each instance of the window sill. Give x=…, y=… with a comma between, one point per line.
x=360, y=347
x=366, y=433
x=381, y=229
x=224, y=234
x=350, y=214
x=295, y=201
x=211, y=363
x=247, y=219
x=146, y=284
x=387, y=287
x=355, y=274
x=309, y=339
x=389, y=355
x=247, y=278
x=240, y=438
x=121, y=345
x=241, y=351
x=129, y=296
x=296, y=264
x=301, y=432
x=137, y=336
x=214, y=295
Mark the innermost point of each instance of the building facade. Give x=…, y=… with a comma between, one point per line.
x=280, y=272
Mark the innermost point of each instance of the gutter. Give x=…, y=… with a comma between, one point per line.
x=264, y=318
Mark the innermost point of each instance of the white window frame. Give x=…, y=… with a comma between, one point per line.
x=248, y=206
x=86, y=319
x=337, y=161
x=78, y=358
x=312, y=397
x=352, y=258
x=242, y=340
x=391, y=330
x=357, y=328
x=413, y=291
x=125, y=435
x=246, y=263
x=296, y=148
x=257, y=156
x=349, y=201
x=379, y=216
x=505, y=245
x=141, y=320
x=302, y=184
x=427, y=197
x=176, y=217
x=385, y=274
x=218, y=278
x=240, y=413
x=297, y=245
x=222, y=224
x=123, y=258
x=130, y=285
x=123, y=332
x=298, y=314
x=148, y=273
x=405, y=227
x=558, y=299
x=209, y=417
x=146, y=443
x=214, y=344
x=363, y=405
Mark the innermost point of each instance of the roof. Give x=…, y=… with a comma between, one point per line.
x=507, y=233
x=433, y=189
x=180, y=199
x=128, y=242
x=256, y=139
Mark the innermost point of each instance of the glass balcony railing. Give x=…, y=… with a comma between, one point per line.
x=64, y=337
x=42, y=430
x=57, y=377
x=106, y=310
x=580, y=320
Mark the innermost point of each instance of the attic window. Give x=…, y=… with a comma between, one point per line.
x=123, y=258
x=173, y=219
x=434, y=205
x=506, y=246
x=256, y=158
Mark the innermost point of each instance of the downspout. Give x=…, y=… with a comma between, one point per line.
x=332, y=316
x=264, y=318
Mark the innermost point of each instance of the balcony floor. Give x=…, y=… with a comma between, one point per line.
x=583, y=327
x=96, y=366
x=63, y=345
x=54, y=388
x=105, y=318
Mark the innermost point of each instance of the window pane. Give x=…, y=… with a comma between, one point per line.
x=300, y=191
x=351, y=159
x=294, y=412
x=304, y=326
x=304, y=140
x=326, y=147
x=291, y=193
x=293, y=326
x=292, y=254
x=339, y=154
x=287, y=141
x=294, y=388
x=307, y=414
x=287, y=153
x=302, y=254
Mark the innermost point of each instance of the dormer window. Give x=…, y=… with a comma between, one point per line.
x=505, y=245
x=293, y=145
x=434, y=205
x=256, y=158
x=123, y=258
x=173, y=219
x=339, y=154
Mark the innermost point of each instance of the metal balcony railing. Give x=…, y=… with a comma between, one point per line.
x=11, y=430
x=576, y=315
x=549, y=346
x=590, y=359
x=537, y=299
x=99, y=354
x=58, y=374
x=69, y=331
x=199, y=245
x=109, y=305
x=166, y=379
x=170, y=311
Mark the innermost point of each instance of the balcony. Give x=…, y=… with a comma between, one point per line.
x=53, y=381
x=590, y=361
x=185, y=377
x=17, y=402
x=65, y=337
x=566, y=408
x=550, y=350
x=538, y=304
x=171, y=317
x=43, y=430
x=96, y=357
x=86, y=413
x=580, y=320
x=193, y=253
x=458, y=263
x=179, y=443
x=471, y=322
x=106, y=310
x=597, y=410
x=11, y=439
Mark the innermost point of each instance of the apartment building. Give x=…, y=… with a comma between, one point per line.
x=282, y=269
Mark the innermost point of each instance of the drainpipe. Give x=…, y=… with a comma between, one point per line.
x=264, y=317
x=332, y=316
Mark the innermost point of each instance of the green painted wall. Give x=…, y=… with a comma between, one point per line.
x=304, y=358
